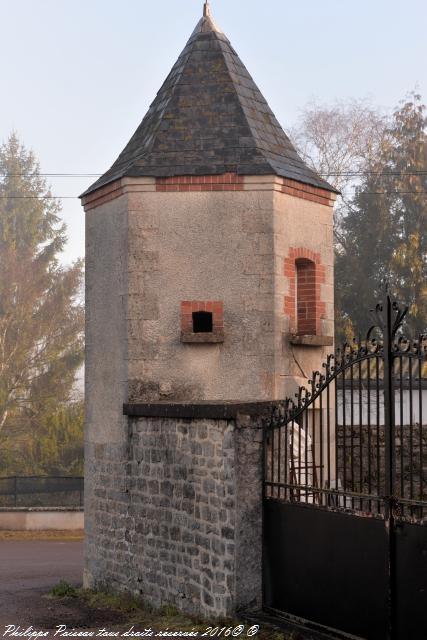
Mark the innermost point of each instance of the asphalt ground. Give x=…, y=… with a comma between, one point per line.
x=28, y=570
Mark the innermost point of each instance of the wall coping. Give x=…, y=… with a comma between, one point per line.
x=226, y=410
x=311, y=340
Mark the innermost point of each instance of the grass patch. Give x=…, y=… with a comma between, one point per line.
x=133, y=611
x=120, y=602
x=169, y=611
x=64, y=590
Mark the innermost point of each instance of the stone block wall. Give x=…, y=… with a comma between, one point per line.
x=361, y=459
x=175, y=515
x=154, y=245
x=108, y=558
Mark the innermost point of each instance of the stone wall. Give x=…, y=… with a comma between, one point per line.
x=227, y=246
x=301, y=228
x=108, y=557
x=361, y=460
x=175, y=516
x=106, y=323
x=200, y=246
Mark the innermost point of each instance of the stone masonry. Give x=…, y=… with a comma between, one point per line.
x=194, y=241
x=361, y=459
x=176, y=514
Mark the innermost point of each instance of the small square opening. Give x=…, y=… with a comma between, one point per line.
x=202, y=322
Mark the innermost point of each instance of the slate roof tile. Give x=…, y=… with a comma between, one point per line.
x=208, y=118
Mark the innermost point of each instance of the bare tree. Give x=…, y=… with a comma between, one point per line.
x=340, y=141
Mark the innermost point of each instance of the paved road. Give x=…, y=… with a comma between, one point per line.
x=28, y=569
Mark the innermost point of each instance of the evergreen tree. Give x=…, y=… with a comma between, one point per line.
x=53, y=447
x=384, y=232
x=408, y=155
x=41, y=314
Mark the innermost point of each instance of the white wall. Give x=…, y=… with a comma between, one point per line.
x=41, y=520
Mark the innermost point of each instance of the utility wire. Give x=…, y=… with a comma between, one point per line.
x=348, y=174
x=364, y=193
x=39, y=197
x=51, y=175
x=344, y=174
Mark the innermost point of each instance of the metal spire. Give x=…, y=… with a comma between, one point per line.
x=206, y=10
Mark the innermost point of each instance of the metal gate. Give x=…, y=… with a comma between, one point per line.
x=345, y=495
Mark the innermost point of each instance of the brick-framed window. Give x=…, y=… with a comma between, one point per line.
x=202, y=321
x=303, y=305
x=305, y=288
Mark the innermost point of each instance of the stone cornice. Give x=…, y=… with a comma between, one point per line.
x=194, y=184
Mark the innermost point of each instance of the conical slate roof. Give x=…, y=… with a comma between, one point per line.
x=209, y=118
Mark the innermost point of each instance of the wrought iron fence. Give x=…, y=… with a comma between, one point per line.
x=345, y=488
x=356, y=437
x=41, y=491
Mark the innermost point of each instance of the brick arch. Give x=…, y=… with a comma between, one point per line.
x=303, y=305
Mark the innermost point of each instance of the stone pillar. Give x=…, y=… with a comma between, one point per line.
x=192, y=486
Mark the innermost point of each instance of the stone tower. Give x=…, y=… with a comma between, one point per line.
x=209, y=277
x=209, y=247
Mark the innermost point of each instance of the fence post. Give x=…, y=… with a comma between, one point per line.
x=389, y=417
x=16, y=490
x=389, y=453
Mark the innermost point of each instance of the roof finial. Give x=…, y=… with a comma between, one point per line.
x=206, y=9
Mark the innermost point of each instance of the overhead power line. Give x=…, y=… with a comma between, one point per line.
x=39, y=197
x=343, y=174
x=365, y=193
x=51, y=175
x=349, y=174
x=379, y=174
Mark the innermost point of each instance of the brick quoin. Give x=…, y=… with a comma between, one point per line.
x=307, y=192
x=188, y=307
x=103, y=195
x=224, y=182
x=303, y=305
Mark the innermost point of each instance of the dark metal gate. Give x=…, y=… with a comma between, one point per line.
x=345, y=504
